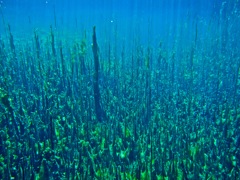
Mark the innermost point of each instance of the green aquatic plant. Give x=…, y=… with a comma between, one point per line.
x=52, y=42
x=52, y=110
x=37, y=43
x=11, y=41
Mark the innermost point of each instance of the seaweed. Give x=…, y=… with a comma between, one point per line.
x=37, y=44
x=69, y=111
x=11, y=41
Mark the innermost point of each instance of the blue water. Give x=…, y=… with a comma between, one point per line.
x=147, y=20
x=154, y=94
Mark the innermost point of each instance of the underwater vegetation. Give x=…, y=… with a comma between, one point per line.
x=78, y=110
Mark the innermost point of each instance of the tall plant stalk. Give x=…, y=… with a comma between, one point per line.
x=97, y=96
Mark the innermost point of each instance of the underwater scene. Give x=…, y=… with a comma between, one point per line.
x=120, y=89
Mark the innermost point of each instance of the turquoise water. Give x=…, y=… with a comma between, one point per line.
x=152, y=20
x=119, y=89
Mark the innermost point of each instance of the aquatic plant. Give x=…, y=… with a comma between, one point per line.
x=71, y=111
x=97, y=96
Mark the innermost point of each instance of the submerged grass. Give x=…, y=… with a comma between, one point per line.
x=167, y=114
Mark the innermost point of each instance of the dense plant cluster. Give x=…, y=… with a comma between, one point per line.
x=167, y=114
